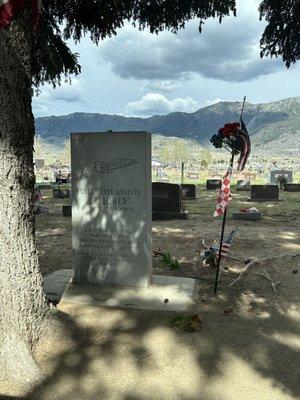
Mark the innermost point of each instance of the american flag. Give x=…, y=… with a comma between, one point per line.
x=8, y=9
x=224, y=194
x=227, y=243
x=244, y=135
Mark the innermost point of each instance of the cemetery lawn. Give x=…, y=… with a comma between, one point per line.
x=247, y=346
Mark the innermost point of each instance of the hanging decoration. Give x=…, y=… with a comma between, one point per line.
x=234, y=137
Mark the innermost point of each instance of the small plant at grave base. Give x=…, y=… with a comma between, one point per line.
x=166, y=258
x=190, y=323
x=281, y=181
x=170, y=262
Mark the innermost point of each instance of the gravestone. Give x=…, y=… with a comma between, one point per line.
x=243, y=185
x=111, y=210
x=111, y=219
x=61, y=193
x=188, y=191
x=166, y=201
x=192, y=175
x=292, y=187
x=213, y=184
x=274, y=174
x=264, y=192
x=248, y=176
x=67, y=211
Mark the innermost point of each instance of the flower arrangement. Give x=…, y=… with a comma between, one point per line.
x=229, y=136
x=234, y=137
x=281, y=181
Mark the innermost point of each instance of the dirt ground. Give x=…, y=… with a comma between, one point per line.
x=247, y=346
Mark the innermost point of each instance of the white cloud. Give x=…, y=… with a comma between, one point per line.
x=68, y=91
x=67, y=95
x=227, y=51
x=155, y=103
x=162, y=86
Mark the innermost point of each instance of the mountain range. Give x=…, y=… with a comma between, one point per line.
x=274, y=127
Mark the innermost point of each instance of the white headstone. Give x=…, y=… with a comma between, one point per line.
x=111, y=210
x=276, y=173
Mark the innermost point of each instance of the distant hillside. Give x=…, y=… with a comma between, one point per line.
x=274, y=127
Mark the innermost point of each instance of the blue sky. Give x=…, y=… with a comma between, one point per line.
x=139, y=74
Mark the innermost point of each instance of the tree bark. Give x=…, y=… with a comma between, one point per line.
x=23, y=304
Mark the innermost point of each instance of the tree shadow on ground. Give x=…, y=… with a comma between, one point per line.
x=108, y=353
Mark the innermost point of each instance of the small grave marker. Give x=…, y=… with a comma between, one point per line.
x=292, y=187
x=213, y=184
x=67, y=211
x=188, y=191
x=192, y=175
x=243, y=185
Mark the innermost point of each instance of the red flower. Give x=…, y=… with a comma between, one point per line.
x=229, y=129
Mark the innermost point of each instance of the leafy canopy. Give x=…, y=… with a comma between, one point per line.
x=282, y=34
x=72, y=19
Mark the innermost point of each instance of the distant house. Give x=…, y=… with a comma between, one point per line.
x=157, y=164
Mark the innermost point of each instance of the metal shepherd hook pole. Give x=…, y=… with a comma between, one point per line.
x=225, y=213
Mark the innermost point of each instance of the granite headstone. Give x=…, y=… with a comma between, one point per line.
x=274, y=174
x=264, y=192
x=213, y=184
x=292, y=187
x=111, y=210
x=188, y=191
x=166, y=201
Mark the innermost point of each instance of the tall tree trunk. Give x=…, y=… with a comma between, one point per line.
x=23, y=305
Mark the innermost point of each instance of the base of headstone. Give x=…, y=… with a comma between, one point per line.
x=262, y=200
x=56, y=283
x=247, y=216
x=292, y=187
x=67, y=211
x=163, y=215
x=190, y=198
x=167, y=293
x=164, y=180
